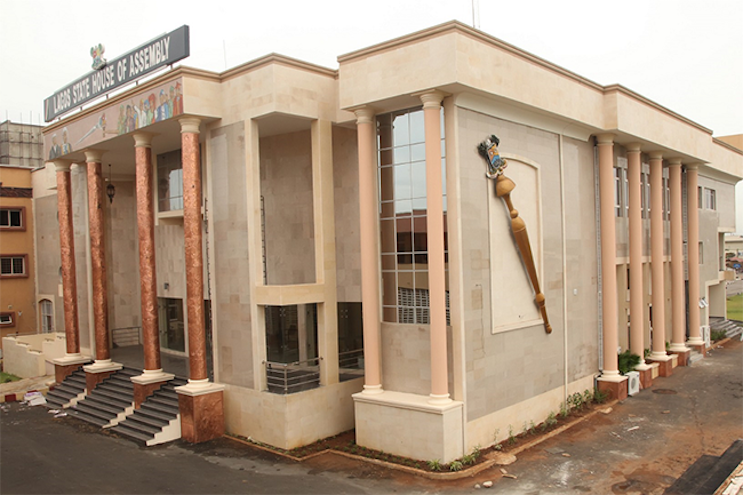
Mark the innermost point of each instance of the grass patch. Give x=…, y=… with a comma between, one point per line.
x=8, y=377
x=735, y=307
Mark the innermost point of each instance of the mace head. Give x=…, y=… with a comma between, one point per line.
x=488, y=149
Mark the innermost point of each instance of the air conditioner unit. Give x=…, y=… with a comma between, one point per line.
x=706, y=335
x=633, y=384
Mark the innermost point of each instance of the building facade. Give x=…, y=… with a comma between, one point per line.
x=330, y=239
x=18, y=308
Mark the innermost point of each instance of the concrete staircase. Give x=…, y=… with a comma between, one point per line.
x=110, y=402
x=708, y=472
x=157, y=420
x=730, y=327
x=68, y=393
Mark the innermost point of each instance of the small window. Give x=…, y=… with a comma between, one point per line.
x=710, y=199
x=700, y=198
x=701, y=253
x=170, y=181
x=6, y=320
x=618, y=191
x=12, y=219
x=13, y=266
x=47, y=316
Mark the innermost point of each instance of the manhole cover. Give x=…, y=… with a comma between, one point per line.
x=664, y=391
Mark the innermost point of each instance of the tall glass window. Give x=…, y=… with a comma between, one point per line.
x=403, y=215
x=170, y=181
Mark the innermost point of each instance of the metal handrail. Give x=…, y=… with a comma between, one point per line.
x=350, y=359
x=138, y=328
x=293, y=377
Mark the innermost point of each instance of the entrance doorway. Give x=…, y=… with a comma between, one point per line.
x=170, y=316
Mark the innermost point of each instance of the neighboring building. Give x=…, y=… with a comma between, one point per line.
x=290, y=202
x=17, y=295
x=21, y=144
x=733, y=245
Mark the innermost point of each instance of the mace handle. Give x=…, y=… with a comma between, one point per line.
x=503, y=188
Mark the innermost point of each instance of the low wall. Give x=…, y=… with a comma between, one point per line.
x=293, y=420
x=28, y=356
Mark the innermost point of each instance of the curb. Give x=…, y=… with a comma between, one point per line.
x=455, y=475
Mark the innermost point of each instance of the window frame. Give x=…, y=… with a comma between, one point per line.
x=15, y=275
x=10, y=315
x=22, y=211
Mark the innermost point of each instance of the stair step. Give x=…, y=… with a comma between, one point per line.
x=64, y=387
x=62, y=393
x=117, y=387
x=75, y=381
x=122, y=397
x=156, y=414
x=148, y=420
x=93, y=402
x=54, y=402
x=94, y=409
x=131, y=433
x=91, y=418
x=163, y=400
x=167, y=394
x=132, y=423
x=161, y=408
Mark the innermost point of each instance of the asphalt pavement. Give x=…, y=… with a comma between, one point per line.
x=641, y=446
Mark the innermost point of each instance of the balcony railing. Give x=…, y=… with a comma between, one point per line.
x=350, y=364
x=289, y=378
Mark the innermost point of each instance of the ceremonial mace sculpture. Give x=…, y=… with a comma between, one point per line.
x=488, y=149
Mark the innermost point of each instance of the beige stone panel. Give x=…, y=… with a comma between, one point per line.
x=347, y=235
x=43, y=181
x=231, y=269
x=505, y=368
x=722, y=158
x=289, y=421
x=407, y=425
x=494, y=428
x=78, y=176
x=202, y=96
x=286, y=190
x=170, y=261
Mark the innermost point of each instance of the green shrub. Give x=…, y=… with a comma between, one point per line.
x=455, y=466
x=599, y=396
x=626, y=361
x=716, y=335
x=434, y=465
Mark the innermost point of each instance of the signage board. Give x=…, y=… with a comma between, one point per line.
x=164, y=50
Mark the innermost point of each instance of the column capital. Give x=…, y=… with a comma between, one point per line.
x=364, y=114
x=93, y=156
x=143, y=139
x=190, y=125
x=606, y=138
x=634, y=147
x=61, y=165
x=674, y=162
x=656, y=155
x=431, y=98
x=692, y=166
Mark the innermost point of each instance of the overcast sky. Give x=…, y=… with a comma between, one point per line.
x=685, y=55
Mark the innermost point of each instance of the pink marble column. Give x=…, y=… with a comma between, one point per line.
x=152, y=377
x=692, y=215
x=678, y=292
x=368, y=231
x=610, y=371
x=201, y=403
x=637, y=320
x=435, y=235
x=72, y=359
x=67, y=251
x=656, y=250
x=192, y=222
x=103, y=365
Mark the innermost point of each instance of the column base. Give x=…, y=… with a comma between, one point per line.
x=646, y=375
x=409, y=425
x=683, y=357
x=98, y=371
x=700, y=347
x=148, y=383
x=614, y=385
x=201, y=406
x=665, y=365
x=67, y=365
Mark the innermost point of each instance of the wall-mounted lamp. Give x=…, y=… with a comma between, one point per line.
x=110, y=189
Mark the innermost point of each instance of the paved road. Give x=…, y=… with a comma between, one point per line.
x=697, y=411
x=40, y=454
x=734, y=287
